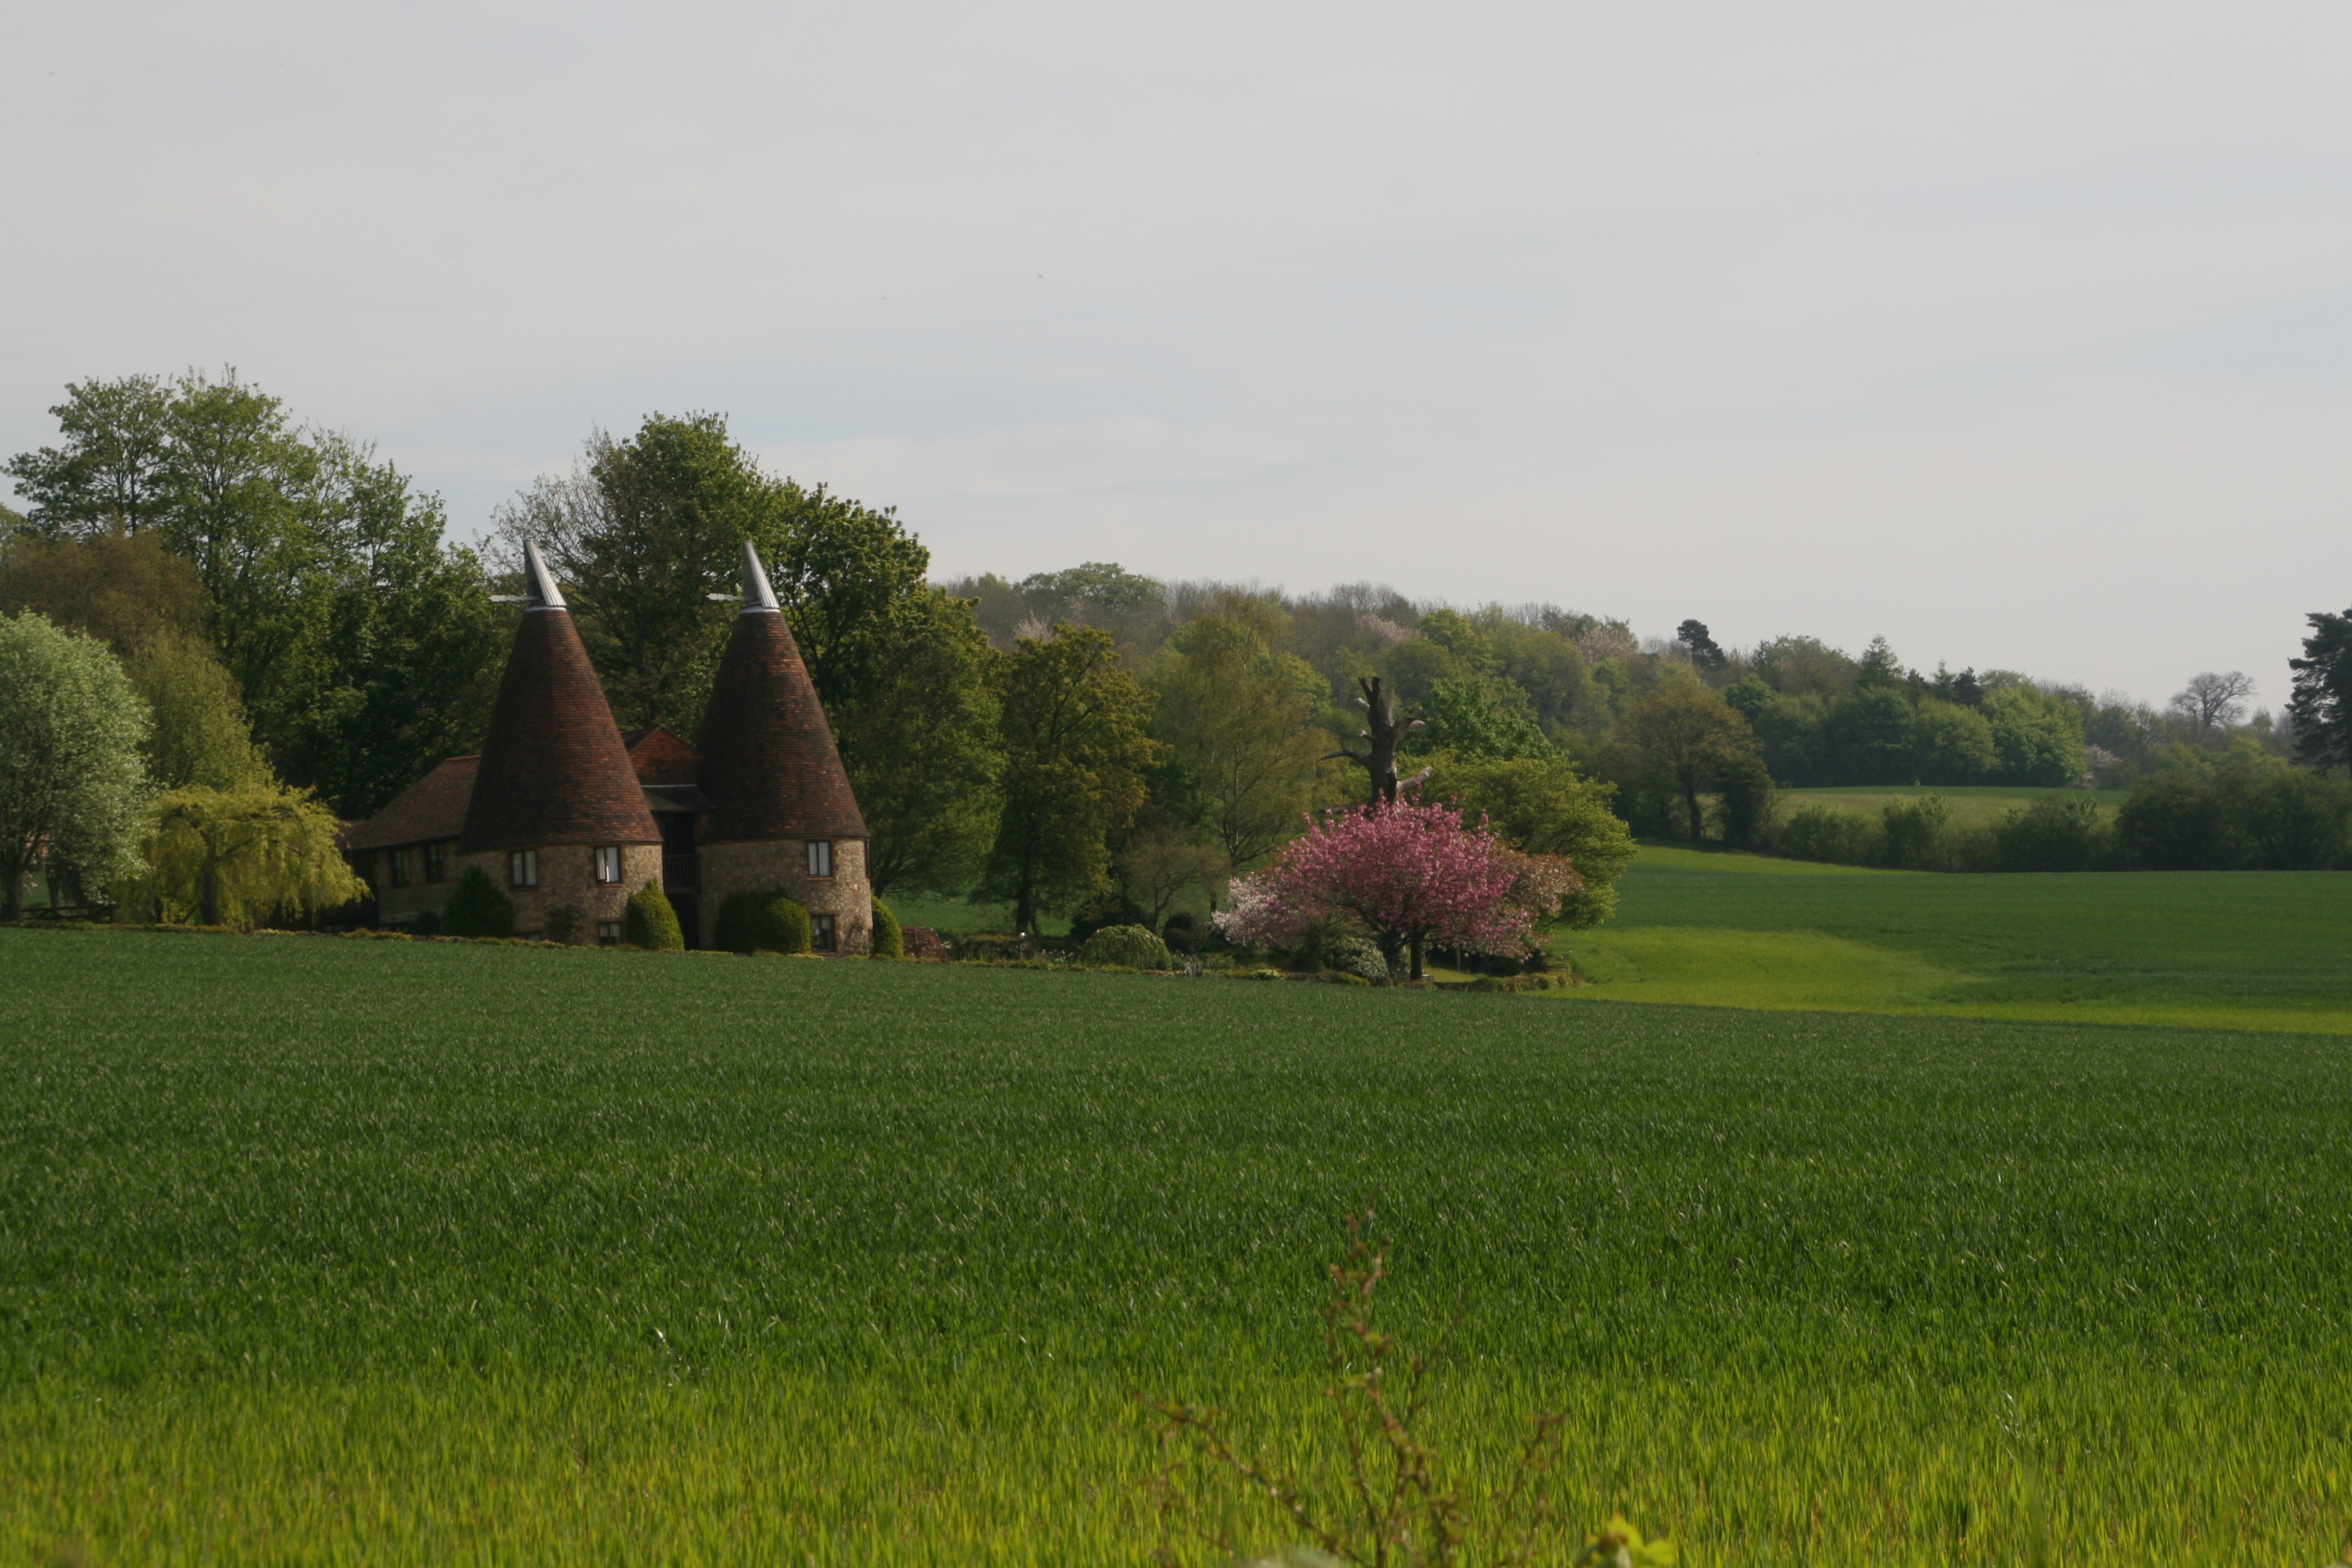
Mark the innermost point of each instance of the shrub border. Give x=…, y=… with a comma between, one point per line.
x=1492, y=984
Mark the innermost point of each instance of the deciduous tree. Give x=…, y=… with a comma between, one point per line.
x=145, y=603
x=112, y=475
x=412, y=647
x=72, y=784
x=1686, y=733
x=1099, y=593
x=1545, y=807
x=1951, y=744
x=1076, y=746
x=1870, y=736
x=361, y=644
x=1804, y=667
x=1237, y=713
x=232, y=856
x=1159, y=866
x=919, y=737
x=1478, y=717
x=120, y=588
x=907, y=677
x=2037, y=737
x=2211, y=701
x=642, y=534
x=199, y=735
x=1411, y=875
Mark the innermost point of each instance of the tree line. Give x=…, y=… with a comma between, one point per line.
x=2240, y=810
x=296, y=626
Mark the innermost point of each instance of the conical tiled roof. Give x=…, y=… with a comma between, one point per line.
x=553, y=769
x=769, y=765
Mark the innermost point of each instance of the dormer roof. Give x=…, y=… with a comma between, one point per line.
x=660, y=757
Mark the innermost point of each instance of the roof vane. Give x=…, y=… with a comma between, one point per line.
x=538, y=581
x=539, y=590
x=758, y=597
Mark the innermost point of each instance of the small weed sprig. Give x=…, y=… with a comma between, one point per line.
x=1395, y=1512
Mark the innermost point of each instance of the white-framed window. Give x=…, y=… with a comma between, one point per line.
x=828, y=938
x=608, y=932
x=820, y=857
x=436, y=863
x=523, y=868
x=400, y=868
x=609, y=863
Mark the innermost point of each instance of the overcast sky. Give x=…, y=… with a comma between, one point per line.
x=2019, y=334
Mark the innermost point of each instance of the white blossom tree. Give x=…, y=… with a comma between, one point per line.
x=73, y=789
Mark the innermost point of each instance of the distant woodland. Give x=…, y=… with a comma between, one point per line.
x=292, y=615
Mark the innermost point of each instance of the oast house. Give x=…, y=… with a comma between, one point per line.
x=570, y=817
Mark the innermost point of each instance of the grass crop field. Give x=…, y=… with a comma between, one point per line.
x=316, y=1250
x=2253, y=950
x=1971, y=803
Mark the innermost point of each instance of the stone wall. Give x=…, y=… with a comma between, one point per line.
x=402, y=906
x=761, y=865
x=567, y=880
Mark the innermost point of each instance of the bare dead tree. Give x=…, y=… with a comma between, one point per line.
x=1378, y=757
x=2214, y=701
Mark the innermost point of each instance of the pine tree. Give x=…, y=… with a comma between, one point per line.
x=2321, y=705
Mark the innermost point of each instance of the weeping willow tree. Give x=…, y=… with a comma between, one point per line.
x=227, y=857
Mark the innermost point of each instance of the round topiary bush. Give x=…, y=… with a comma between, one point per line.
x=652, y=921
x=889, y=940
x=1359, y=956
x=477, y=908
x=1132, y=945
x=764, y=923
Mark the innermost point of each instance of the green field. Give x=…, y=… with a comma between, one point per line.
x=2253, y=950
x=1972, y=805
x=341, y=1251
x=955, y=915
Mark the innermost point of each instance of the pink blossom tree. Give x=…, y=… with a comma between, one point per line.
x=1412, y=876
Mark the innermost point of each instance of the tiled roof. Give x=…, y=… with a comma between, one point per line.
x=433, y=807
x=769, y=765
x=554, y=770
x=661, y=758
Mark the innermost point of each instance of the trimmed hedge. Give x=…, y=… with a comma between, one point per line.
x=889, y=940
x=477, y=908
x=1132, y=945
x=764, y=923
x=652, y=922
